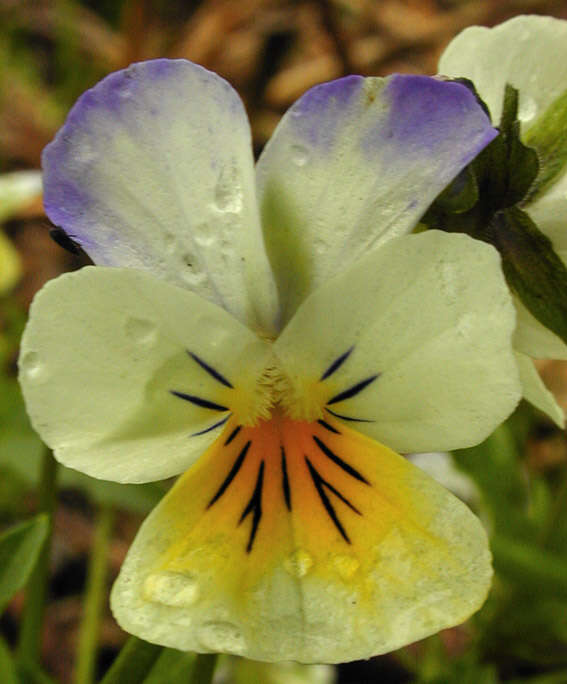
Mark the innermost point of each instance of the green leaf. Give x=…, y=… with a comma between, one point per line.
x=548, y=135
x=532, y=267
x=19, y=550
x=530, y=567
x=7, y=666
x=496, y=468
x=171, y=666
x=133, y=663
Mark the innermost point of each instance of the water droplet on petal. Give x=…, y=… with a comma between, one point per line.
x=222, y=636
x=171, y=589
x=299, y=155
x=346, y=566
x=527, y=109
x=204, y=235
x=31, y=365
x=141, y=330
x=228, y=191
x=299, y=563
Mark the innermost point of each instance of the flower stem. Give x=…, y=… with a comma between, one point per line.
x=204, y=668
x=133, y=663
x=29, y=646
x=95, y=597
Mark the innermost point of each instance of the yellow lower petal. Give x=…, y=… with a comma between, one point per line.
x=302, y=541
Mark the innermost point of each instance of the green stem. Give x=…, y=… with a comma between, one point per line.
x=29, y=647
x=204, y=668
x=95, y=596
x=133, y=663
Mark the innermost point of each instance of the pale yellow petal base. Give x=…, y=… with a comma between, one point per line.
x=302, y=541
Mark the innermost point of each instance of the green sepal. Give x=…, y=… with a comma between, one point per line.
x=500, y=177
x=461, y=195
x=19, y=550
x=506, y=169
x=548, y=136
x=532, y=268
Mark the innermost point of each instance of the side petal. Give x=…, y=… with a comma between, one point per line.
x=129, y=378
x=536, y=392
x=353, y=558
x=412, y=344
x=527, y=51
x=355, y=162
x=153, y=170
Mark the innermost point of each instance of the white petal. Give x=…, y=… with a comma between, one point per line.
x=102, y=354
x=153, y=170
x=529, y=52
x=355, y=162
x=536, y=392
x=429, y=320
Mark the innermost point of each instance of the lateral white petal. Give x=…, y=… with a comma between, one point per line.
x=427, y=322
x=105, y=358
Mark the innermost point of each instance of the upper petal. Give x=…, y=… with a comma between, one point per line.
x=528, y=52
x=129, y=378
x=412, y=343
x=355, y=162
x=153, y=170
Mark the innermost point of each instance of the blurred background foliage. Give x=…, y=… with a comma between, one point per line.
x=271, y=51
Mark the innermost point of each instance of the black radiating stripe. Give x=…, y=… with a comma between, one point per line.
x=352, y=420
x=232, y=474
x=339, y=461
x=352, y=391
x=232, y=435
x=337, y=363
x=255, y=506
x=213, y=427
x=285, y=481
x=319, y=486
x=210, y=370
x=199, y=401
x=328, y=427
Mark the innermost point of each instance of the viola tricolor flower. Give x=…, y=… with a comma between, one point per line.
x=529, y=53
x=253, y=332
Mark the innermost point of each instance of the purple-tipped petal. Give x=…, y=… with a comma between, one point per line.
x=153, y=170
x=356, y=162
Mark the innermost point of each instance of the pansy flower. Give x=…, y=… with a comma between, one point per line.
x=529, y=53
x=248, y=329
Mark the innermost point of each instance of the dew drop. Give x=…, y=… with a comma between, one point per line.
x=31, y=365
x=346, y=566
x=299, y=563
x=171, y=589
x=141, y=330
x=527, y=109
x=299, y=155
x=222, y=636
x=204, y=235
x=228, y=192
